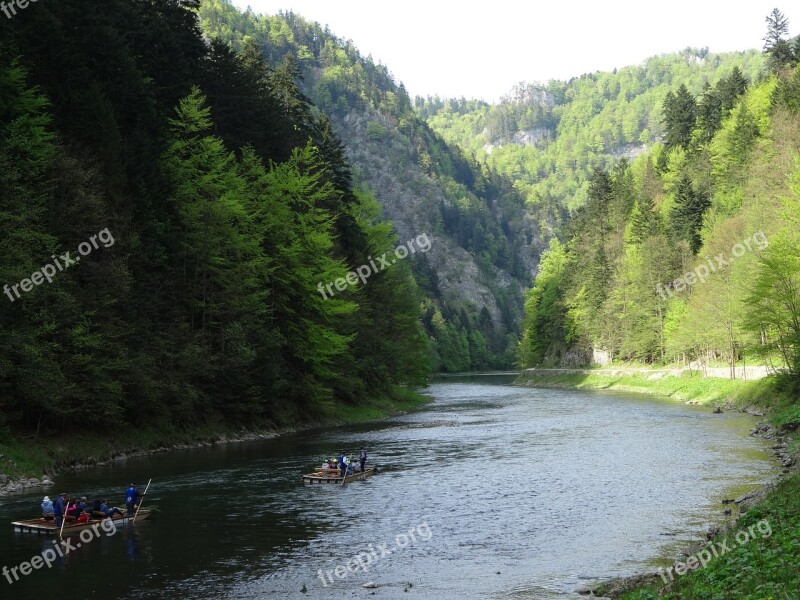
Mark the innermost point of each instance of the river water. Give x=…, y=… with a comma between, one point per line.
x=491, y=491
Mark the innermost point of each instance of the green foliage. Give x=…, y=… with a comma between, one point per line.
x=406, y=164
x=376, y=131
x=549, y=138
x=686, y=214
x=763, y=567
x=776, y=46
x=544, y=328
x=231, y=201
x=680, y=117
x=777, y=29
x=789, y=418
x=787, y=92
x=775, y=299
x=647, y=292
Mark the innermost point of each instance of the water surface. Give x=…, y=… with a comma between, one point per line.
x=491, y=491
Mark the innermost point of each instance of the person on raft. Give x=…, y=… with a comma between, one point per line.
x=362, y=458
x=132, y=499
x=48, y=510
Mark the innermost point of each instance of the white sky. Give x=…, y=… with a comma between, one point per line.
x=449, y=48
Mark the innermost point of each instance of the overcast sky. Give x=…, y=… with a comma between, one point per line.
x=448, y=48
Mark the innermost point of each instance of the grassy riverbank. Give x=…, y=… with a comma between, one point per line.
x=765, y=567
x=31, y=457
x=769, y=396
x=760, y=566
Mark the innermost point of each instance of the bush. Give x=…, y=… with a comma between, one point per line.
x=375, y=131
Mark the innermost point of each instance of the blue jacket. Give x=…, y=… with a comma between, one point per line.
x=47, y=507
x=59, y=506
x=131, y=495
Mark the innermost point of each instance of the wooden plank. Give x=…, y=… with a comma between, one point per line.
x=323, y=478
x=49, y=527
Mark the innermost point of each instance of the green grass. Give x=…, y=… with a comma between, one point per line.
x=30, y=457
x=401, y=400
x=689, y=387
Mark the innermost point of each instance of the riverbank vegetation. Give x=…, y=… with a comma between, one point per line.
x=30, y=456
x=689, y=252
x=772, y=396
x=762, y=568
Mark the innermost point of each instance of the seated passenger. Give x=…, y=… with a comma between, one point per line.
x=48, y=510
x=108, y=511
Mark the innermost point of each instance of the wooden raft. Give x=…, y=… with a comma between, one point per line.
x=48, y=526
x=333, y=476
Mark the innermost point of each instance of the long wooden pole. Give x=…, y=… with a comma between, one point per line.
x=63, y=520
x=140, y=503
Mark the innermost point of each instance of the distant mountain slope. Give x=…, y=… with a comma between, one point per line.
x=486, y=243
x=548, y=138
x=490, y=184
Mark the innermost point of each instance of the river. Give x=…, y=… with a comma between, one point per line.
x=490, y=491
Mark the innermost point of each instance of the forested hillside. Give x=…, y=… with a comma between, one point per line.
x=689, y=252
x=486, y=241
x=181, y=181
x=222, y=200
x=549, y=137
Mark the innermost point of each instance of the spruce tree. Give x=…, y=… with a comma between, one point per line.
x=680, y=117
x=686, y=216
x=709, y=112
x=779, y=49
x=777, y=30
x=731, y=88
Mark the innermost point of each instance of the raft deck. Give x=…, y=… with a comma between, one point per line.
x=333, y=476
x=48, y=526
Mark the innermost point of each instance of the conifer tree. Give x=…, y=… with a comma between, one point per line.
x=777, y=30
x=686, y=216
x=680, y=117
x=775, y=43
